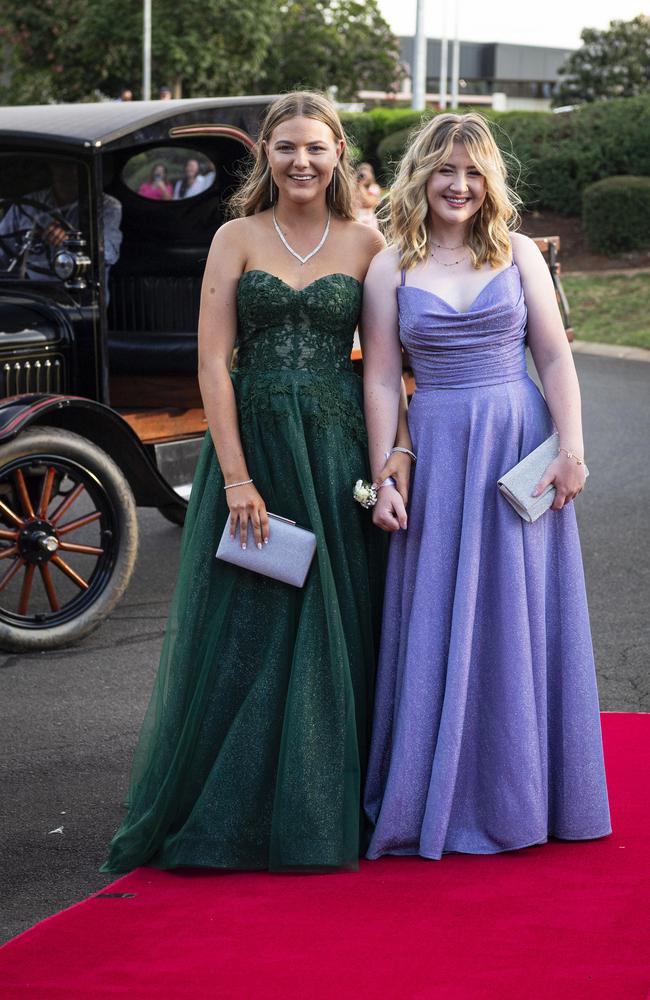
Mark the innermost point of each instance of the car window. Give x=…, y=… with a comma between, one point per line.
x=169, y=173
x=40, y=195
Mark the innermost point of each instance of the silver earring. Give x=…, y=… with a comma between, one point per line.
x=271, y=193
x=334, y=184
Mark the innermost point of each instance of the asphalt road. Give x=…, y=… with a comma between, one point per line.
x=70, y=718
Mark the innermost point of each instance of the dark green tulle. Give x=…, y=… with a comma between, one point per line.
x=253, y=749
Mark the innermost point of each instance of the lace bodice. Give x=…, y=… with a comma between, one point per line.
x=310, y=329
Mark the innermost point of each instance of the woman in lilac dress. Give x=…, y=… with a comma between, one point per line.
x=486, y=731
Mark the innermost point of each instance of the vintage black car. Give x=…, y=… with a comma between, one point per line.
x=106, y=216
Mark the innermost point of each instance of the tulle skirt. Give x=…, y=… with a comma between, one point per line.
x=253, y=750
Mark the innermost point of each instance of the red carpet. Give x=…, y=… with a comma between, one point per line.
x=564, y=921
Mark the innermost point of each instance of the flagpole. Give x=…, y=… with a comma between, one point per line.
x=419, y=80
x=146, y=51
x=444, y=48
x=455, y=59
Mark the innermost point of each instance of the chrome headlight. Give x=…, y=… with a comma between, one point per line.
x=64, y=265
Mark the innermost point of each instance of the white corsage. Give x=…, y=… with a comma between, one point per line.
x=364, y=493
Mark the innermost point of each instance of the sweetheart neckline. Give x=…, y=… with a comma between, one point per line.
x=333, y=274
x=461, y=312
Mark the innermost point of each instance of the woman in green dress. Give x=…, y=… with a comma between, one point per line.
x=253, y=749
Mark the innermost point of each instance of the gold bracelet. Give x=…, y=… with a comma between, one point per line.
x=572, y=454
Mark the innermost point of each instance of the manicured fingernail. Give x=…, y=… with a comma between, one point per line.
x=259, y=545
x=243, y=545
x=266, y=541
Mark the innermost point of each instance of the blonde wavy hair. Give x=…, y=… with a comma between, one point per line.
x=254, y=195
x=407, y=210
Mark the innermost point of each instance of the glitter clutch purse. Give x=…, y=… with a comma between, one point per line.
x=518, y=484
x=287, y=556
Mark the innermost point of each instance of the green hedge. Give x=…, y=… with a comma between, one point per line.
x=616, y=214
x=551, y=157
x=367, y=129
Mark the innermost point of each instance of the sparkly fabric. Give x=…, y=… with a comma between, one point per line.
x=254, y=746
x=486, y=731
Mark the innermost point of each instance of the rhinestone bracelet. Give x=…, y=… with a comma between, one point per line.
x=406, y=451
x=244, y=482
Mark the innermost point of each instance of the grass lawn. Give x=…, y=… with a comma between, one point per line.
x=610, y=309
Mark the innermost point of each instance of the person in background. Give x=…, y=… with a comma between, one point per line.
x=164, y=94
x=192, y=183
x=62, y=197
x=126, y=94
x=368, y=194
x=157, y=187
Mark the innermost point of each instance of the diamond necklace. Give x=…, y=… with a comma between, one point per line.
x=294, y=253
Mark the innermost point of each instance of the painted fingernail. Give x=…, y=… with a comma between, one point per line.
x=259, y=545
x=243, y=545
x=266, y=541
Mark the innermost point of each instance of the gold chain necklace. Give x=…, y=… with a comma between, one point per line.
x=441, y=246
x=451, y=264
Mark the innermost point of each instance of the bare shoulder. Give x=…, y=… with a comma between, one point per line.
x=384, y=266
x=239, y=231
x=367, y=236
x=524, y=249
x=231, y=241
x=362, y=241
x=228, y=249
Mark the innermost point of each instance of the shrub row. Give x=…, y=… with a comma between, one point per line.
x=555, y=155
x=616, y=214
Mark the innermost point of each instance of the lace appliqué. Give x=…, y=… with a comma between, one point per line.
x=294, y=352
x=307, y=330
x=321, y=401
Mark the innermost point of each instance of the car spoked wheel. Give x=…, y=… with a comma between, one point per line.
x=68, y=538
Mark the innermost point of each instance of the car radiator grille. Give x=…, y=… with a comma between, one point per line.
x=32, y=375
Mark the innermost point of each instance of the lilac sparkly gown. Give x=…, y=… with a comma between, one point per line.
x=486, y=733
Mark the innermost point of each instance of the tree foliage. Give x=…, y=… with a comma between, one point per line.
x=610, y=63
x=332, y=43
x=76, y=50
x=72, y=50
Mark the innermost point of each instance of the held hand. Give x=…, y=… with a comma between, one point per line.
x=568, y=478
x=389, y=513
x=245, y=504
x=398, y=465
x=54, y=235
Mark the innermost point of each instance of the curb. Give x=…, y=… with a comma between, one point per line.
x=608, y=272
x=619, y=351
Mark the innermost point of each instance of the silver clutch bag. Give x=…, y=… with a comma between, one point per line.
x=518, y=484
x=286, y=557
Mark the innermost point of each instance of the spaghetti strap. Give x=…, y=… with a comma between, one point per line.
x=403, y=281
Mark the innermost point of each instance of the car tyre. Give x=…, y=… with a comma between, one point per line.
x=76, y=467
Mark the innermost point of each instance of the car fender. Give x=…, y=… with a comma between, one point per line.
x=101, y=425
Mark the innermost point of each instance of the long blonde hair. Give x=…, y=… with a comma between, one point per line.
x=254, y=195
x=408, y=210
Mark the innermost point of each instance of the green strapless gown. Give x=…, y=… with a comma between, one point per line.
x=253, y=748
